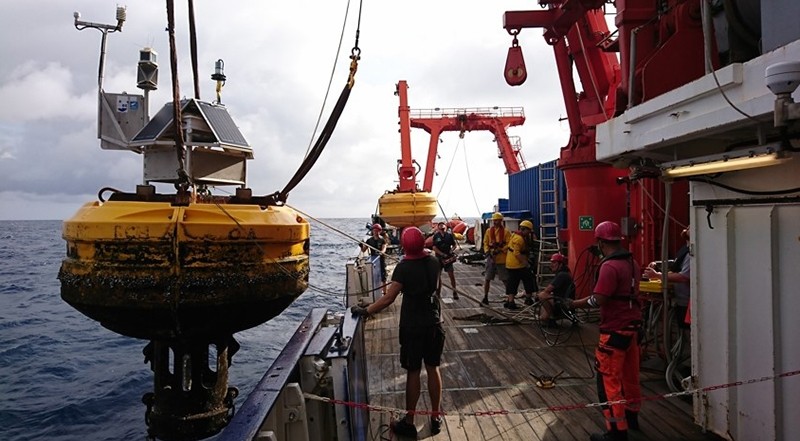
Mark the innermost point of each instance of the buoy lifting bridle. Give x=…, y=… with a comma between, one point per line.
x=279, y=198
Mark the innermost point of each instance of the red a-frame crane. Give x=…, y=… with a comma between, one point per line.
x=436, y=121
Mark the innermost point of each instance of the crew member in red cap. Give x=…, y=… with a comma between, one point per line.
x=444, y=246
x=562, y=287
x=615, y=293
x=421, y=333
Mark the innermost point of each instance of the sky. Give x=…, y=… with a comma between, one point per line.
x=278, y=61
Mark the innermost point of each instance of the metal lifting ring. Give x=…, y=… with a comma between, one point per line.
x=105, y=189
x=416, y=166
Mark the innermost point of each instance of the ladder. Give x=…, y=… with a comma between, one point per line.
x=548, y=220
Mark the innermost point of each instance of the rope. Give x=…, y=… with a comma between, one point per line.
x=183, y=177
x=544, y=409
x=744, y=191
x=650, y=196
x=330, y=79
x=706, y=22
x=193, y=46
x=458, y=144
x=327, y=131
x=585, y=276
x=342, y=233
x=319, y=146
x=469, y=180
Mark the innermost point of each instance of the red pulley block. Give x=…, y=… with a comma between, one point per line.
x=515, y=72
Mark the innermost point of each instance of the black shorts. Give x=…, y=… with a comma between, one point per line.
x=521, y=274
x=447, y=263
x=418, y=344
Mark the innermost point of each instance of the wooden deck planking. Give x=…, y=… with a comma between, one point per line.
x=485, y=368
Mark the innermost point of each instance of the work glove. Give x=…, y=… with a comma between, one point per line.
x=359, y=310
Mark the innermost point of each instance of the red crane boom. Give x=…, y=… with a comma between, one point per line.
x=436, y=121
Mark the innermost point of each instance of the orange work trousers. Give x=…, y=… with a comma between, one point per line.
x=617, y=362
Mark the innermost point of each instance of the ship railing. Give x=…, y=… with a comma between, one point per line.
x=454, y=112
x=324, y=356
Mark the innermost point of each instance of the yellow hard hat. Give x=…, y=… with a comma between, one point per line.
x=497, y=216
x=526, y=224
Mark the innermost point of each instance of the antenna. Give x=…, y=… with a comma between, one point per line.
x=105, y=29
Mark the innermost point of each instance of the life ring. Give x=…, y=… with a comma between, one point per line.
x=460, y=227
x=471, y=235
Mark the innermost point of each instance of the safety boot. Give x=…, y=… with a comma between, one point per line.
x=403, y=428
x=613, y=435
x=436, y=425
x=633, y=419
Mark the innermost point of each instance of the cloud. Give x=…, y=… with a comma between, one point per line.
x=279, y=58
x=50, y=83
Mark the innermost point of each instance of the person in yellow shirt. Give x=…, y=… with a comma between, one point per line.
x=495, y=246
x=518, y=265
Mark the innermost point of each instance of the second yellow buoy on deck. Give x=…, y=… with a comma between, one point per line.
x=407, y=209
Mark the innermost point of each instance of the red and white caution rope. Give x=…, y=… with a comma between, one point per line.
x=538, y=410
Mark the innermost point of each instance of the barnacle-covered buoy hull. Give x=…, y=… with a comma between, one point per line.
x=151, y=270
x=407, y=209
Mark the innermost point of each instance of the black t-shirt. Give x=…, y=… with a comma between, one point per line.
x=375, y=242
x=419, y=277
x=444, y=242
x=563, y=285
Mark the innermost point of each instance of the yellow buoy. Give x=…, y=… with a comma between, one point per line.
x=407, y=209
x=154, y=270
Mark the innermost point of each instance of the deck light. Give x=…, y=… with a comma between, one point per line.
x=729, y=161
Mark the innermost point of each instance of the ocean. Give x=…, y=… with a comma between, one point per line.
x=64, y=377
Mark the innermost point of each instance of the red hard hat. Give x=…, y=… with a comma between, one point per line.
x=377, y=227
x=558, y=257
x=608, y=231
x=413, y=242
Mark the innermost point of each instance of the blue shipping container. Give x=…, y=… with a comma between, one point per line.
x=502, y=204
x=537, y=190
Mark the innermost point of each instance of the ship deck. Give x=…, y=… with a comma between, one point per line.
x=489, y=392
